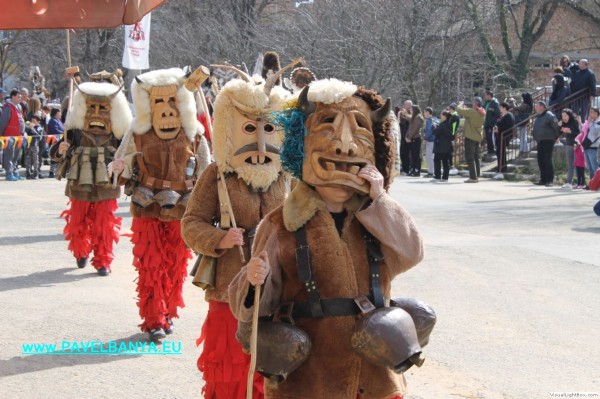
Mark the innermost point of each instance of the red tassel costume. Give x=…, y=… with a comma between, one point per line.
x=92, y=227
x=165, y=156
x=244, y=145
x=97, y=121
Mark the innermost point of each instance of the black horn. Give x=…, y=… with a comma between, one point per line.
x=381, y=113
x=140, y=81
x=305, y=106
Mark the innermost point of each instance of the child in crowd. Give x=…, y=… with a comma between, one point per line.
x=35, y=131
x=579, y=163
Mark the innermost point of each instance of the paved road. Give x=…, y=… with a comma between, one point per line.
x=512, y=270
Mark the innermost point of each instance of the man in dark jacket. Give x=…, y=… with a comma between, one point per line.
x=492, y=113
x=504, y=132
x=545, y=132
x=583, y=78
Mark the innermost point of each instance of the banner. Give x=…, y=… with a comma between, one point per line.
x=137, y=45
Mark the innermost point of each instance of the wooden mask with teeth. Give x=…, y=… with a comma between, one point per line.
x=98, y=116
x=339, y=140
x=166, y=120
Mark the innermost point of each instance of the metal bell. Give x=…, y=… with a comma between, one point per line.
x=142, y=196
x=167, y=199
x=101, y=175
x=185, y=199
x=86, y=176
x=73, y=167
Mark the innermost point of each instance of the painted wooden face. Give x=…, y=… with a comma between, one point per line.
x=97, y=117
x=166, y=119
x=255, y=141
x=338, y=144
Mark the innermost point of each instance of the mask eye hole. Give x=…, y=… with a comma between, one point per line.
x=269, y=128
x=249, y=128
x=361, y=121
x=328, y=119
x=158, y=101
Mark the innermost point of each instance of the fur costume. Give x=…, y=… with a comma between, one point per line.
x=164, y=159
x=246, y=148
x=344, y=125
x=95, y=125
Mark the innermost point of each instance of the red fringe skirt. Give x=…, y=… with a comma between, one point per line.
x=92, y=226
x=161, y=257
x=222, y=362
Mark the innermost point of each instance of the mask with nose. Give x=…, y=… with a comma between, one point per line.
x=245, y=140
x=345, y=129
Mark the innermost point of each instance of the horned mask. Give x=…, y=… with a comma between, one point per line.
x=164, y=104
x=245, y=140
x=345, y=128
x=99, y=108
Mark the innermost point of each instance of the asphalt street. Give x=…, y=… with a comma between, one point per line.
x=511, y=269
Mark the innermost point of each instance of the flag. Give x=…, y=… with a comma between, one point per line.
x=137, y=45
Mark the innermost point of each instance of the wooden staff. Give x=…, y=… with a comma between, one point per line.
x=253, y=343
x=221, y=175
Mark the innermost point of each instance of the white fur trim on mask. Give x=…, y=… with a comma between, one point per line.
x=140, y=93
x=120, y=114
x=330, y=91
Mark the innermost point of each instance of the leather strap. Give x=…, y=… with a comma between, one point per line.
x=305, y=273
x=331, y=307
x=375, y=257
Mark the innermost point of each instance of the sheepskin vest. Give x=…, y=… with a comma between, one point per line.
x=341, y=270
x=163, y=160
x=88, y=142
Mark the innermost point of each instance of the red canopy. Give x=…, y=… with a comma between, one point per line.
x=73, y=14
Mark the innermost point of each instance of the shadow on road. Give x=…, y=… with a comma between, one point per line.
x=46, y=278
x=23, y=240
x=587, y=229
x=32, y=363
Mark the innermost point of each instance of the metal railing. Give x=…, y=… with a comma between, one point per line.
x=524, y=130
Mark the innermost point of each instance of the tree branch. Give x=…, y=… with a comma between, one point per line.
x=504, y=29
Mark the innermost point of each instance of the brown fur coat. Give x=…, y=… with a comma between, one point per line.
x=340, y=269
x=248, y=207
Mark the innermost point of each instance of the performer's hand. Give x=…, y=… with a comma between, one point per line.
x=258, y=269
x=118, y=165
x=63, y=147
x=375, y=179
x=232, y=238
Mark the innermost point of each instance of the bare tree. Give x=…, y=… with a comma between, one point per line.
x=528, y=21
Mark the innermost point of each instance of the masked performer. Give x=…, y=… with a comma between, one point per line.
x=246, y=148
x=162, y=163
x=99, y=118
x=330, y=251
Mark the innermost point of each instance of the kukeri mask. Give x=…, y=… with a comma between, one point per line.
x=165, y=115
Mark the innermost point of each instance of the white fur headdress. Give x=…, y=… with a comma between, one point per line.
x=330, y=91
x=120, y=114
x=186, y=104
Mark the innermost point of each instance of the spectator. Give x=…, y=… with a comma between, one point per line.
x=591, y=153
x=521, y=113
x=559, y=91
x=24, y=103
x=455, y=123
x=580, y=159
x=2, y=93
x=545, y=132
x=472, y=131
x=597, y=208
x=442, y=148
x=430, y=124
x=569, y=129
x=504, y=132
x=583, y=79
x=414, y=140
x=44, y=147
x=492, y=113
x=569, y=68
x=12, y=124
x=55, y=127
x=404, y=117
x=32, y=165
